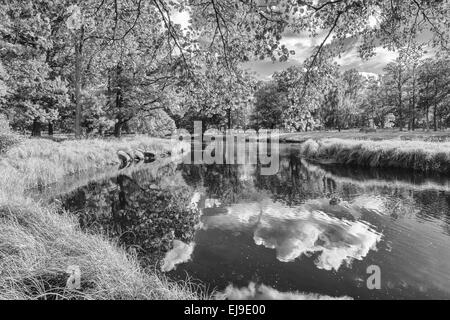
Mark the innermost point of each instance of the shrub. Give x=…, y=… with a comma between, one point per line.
x=7, y=141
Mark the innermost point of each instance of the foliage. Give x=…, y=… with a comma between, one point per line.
x=110, y=62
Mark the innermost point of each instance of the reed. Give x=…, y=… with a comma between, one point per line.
x=414, y=155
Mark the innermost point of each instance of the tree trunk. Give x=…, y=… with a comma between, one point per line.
x=427, y=116
x=119, y=102
x=118, y=129
x=413, y=101
x=50, y=128
x=77, y=89
x=36, y=131
x=435, y=106
x=400, y=102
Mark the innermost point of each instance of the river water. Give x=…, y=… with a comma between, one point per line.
x=308, y=231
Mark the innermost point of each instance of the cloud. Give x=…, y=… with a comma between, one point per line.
x=263, y=292
x=180, y=253
x=374, y=204
x=336, y=241
x=375, y=64
x=333, y=232
x=237, y=217
x=304, y=45
x=264, y=69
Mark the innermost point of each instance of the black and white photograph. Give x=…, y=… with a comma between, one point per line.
x=225, y=153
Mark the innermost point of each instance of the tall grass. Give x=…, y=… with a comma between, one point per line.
x=38, y=243
x=40, y=162
x=415, y=155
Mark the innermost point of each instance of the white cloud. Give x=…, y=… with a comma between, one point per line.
x=337, y=241
x=332, y=231
x=263, y=292
x=375, y=64
x=374, y=204
x=180, y=253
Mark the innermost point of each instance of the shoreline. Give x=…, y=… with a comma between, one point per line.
x=39, y=242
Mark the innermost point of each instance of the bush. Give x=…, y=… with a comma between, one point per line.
x=158, y=125
x=7, y=141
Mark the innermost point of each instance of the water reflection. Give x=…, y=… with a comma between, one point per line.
x=263, y=292
x=309, y=228
x=145, y=210
x=180, y=253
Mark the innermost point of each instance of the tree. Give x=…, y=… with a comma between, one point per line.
x=270, y=105
x=395, y=80
x=97, y=64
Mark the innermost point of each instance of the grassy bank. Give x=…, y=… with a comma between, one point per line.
x=380, y=134
x=39, y=162
x=38, y=243
x=415, y=155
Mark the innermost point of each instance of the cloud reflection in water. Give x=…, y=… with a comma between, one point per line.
x=333, y=232
x=263, y=292
x=180, y=253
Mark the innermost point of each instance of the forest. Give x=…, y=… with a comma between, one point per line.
x=100, y=67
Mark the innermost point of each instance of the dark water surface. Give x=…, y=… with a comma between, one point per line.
x=310, y=229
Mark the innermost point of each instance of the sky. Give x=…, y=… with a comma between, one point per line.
x=303, y=45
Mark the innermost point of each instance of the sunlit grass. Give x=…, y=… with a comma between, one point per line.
x=416, y=155
x=38, y=243
x=379, y=135
x=41, y=161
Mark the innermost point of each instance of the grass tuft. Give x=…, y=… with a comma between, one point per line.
x=415, y=155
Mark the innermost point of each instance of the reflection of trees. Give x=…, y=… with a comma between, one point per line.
x=405, y=194
x=292, y=185
x=223, y=182
x=298, y=181
x=136, y=211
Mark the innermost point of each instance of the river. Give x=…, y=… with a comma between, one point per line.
x=308, y=231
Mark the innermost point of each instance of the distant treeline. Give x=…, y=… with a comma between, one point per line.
x=411, y=93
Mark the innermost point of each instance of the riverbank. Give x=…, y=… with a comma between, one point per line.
x=378, y=135
x=414, y=155
x=39, y=243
